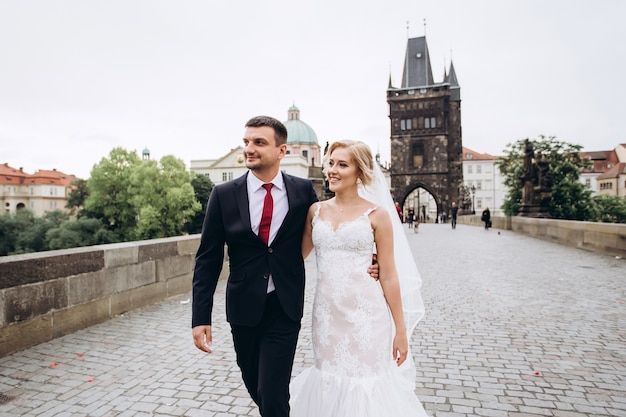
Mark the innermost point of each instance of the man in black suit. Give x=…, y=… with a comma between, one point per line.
x=265, y=289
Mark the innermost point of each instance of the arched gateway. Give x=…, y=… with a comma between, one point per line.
x=426, y=143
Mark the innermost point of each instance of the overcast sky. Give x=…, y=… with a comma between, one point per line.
x=78, y=78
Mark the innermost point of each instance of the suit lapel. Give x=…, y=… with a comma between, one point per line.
x=241, y=196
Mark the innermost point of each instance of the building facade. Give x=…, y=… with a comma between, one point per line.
x=483, y=183
x=607, y=176
x=43, y=191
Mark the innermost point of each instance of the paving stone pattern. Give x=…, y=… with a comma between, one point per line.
x=515, y=327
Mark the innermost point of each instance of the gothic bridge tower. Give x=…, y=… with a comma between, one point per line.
x=426, y=144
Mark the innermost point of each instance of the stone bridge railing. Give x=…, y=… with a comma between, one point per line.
x=604, y=238
x=50, y=294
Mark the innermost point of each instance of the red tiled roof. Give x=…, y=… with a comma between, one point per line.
x=10, y=175
x=614, y=172
x=476, y=156
x=602, y=160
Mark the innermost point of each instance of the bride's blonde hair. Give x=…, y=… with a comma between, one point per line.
x=361, y=154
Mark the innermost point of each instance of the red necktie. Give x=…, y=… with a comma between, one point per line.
x=266, y=217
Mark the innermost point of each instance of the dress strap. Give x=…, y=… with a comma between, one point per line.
x=370, y=210
x=318, y=206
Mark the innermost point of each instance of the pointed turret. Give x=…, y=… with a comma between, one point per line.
x=455, y=88
x=417, y=69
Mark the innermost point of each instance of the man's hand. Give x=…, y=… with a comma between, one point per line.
x=373, y=269
x=202, y=338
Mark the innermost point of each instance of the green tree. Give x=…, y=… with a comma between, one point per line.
x=76, y=198
x=13, y=225
x=8, y=233
x=109, y=196
x=33, y=237
x=570, y=199
x=163, y=196
x=202, y=186
x=610, y=208
x=80, y=232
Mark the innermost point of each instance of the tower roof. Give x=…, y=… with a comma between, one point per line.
x=298, y=131
x=417, y=68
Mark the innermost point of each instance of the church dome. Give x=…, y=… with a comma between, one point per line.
x=298, y=131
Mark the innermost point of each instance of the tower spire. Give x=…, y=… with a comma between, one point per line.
x=406, y=57
x=426, y=54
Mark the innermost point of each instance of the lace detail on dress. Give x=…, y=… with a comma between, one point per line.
x=354, y=372
x=351, y=320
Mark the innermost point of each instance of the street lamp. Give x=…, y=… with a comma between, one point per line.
x=473, y=190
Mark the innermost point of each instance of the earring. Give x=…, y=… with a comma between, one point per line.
x=358, y=181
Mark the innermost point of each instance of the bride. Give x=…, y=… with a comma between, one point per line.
x=361, y=327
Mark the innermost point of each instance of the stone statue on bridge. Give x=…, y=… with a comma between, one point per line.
x=536, y=184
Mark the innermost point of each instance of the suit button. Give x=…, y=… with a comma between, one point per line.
x=266, y=276
x=270, y=250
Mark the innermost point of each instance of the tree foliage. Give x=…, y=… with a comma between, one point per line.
x=81, y=232
x=138, y=199
x=109, y=195
x=78, y=195
x=202, y=186
x=570, y=199
x=163, y=198
x=610, y=209
x=124, y=199
x=11, y=225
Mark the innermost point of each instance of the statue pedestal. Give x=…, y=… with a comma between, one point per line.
x=534, y=210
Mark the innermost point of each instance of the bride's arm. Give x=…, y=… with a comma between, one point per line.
x=307, y=235
x=388, y=277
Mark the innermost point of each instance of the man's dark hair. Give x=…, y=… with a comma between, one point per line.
x=280, y=131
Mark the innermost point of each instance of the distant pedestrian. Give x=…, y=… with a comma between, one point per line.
x=486, y=217
x=399, y=210
x=453, y=212
x=410, y=217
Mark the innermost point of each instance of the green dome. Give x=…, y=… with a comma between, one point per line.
x=298, y=131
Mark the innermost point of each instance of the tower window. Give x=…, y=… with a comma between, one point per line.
x=417, y=151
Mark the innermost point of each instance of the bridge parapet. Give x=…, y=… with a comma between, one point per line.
x=50, y=294
x=604, y=238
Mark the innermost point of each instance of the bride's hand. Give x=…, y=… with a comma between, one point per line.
x=400, y=348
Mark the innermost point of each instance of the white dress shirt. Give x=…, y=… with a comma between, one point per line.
x=256, y=198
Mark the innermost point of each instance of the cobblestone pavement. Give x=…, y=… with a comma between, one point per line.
x=514, y=327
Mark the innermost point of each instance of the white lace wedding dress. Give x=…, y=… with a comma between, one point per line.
x=354, y=372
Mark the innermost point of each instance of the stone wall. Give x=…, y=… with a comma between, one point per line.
x=604, y=238
x=50, y=294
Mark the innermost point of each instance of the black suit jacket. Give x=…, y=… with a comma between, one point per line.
x=227, y=222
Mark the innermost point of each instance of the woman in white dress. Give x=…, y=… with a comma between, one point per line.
x=361, y=329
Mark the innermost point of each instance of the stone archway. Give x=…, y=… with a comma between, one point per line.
x=422, y=202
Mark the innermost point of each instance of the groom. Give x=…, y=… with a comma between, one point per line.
x=260, y=217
